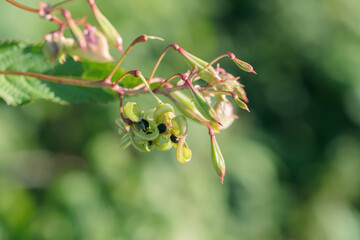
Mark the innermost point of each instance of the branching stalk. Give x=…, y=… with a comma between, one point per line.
x=173, y=46
x=142, y=38
x=229, y=55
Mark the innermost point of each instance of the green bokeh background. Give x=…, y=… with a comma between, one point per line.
x=293, y=163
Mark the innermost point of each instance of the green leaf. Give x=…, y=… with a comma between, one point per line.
x=18, y=90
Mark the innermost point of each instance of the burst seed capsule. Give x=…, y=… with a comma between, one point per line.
x=150, y=142
x=143, y=125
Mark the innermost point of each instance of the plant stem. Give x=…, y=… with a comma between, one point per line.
x=62, y=80
x=232, y=94
x=141, y=38
x=29, y=9
x=167, y=80
x=125, y=119
x=215, y=60
x=112, y=86
x=173, y=46
x=122, y=77
x=62, y=3
x=139, y=75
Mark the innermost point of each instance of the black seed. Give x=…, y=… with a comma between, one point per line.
x=143, y=125
x=148, y=133
x=162, y=128
x=174, y=138
x=150, y=142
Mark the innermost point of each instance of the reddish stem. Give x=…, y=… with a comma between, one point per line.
x=29, y=9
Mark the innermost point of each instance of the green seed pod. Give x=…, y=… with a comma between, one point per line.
x=184, y=101
x=106, y=27
x=125, y=141
x=163, y=143
x=138, y=143
x=243, y=65
x=239, y=90
x=164, y=113
x=131, y=110
x=217, y=159
x=202, y=105
x=209, y=74
x=183, y=152
x=179, y=125
x=241, y=104
x=151, y=134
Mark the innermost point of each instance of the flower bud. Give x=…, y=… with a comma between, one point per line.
x=217, y=159
x=106, y=27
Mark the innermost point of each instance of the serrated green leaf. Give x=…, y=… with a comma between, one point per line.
x=18, y=90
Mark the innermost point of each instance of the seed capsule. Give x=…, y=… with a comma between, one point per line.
x=132, y=111
x=174, y=138
x=179, y=125
x=217, y=158
x=106, y=27
x=163, y=143
x=143, y=125
x=164, y=113
x=162, y=128
x=183, y=152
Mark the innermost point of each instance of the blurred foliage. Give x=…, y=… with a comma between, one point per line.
x=292, y=163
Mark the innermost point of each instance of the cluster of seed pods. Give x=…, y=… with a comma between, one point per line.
x=158, y=128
